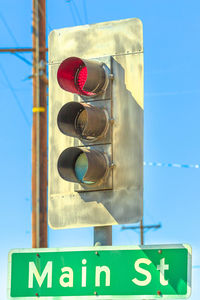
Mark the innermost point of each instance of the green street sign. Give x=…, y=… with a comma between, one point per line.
x=146, y=272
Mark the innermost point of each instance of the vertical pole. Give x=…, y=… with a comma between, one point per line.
x=141, y=232
x=103, y=236
x=39, y=129
x=35, y=227
x=43, y=124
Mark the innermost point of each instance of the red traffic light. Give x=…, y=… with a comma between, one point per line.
x=83, y=77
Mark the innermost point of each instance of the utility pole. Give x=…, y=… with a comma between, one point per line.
x=142, y=229
x=39, y=129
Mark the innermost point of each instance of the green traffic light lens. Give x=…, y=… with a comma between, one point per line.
x=81, y=167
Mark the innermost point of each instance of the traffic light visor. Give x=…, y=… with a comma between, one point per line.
x=82, y=77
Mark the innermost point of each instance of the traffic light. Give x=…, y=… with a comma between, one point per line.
x=88, y=164
x=84, y=121
x=96, y=124
x=82, y=77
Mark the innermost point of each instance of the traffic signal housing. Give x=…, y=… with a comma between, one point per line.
x=96, y=124
x=82, y=77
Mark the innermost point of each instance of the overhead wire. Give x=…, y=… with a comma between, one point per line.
x=73, y=15
x=23, y=58
x=175, y=93
x=171, y=165
x=8, y=29
x=14, y=39
x=85, y=11
x=77, y=12
x=6, y=77
x=15, y=96
x=73, y=7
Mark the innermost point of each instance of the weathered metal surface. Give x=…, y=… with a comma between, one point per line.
x=119, y=44
x=101, y=39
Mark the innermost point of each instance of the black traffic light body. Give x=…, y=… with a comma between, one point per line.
x=96, y=124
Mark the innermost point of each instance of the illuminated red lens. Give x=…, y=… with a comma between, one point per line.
x=81, y=80
x=82, y=77
x=72, y=76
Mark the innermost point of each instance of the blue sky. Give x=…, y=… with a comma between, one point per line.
x=171, y=122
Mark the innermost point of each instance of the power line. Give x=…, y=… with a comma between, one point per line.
x=77, y=12
x=8, y=29
x=15, y=96
x=15, y=51
x=23, y=59
x=144, y=226
x=85, y=11
x=171, y=165
x=72, y=6
x=175, y=93
x=14, y=39
x=73, y=15
x=72, y=12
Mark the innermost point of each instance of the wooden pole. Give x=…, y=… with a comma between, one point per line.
x=142, y=227
x=16, y=50
x=43, y=124
x=39, y=129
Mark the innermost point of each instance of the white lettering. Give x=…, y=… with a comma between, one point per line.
x=84, y=269
x=98, y=273
x=162, y=267
x=47, y=272
x=69, y=283
x=142, y=271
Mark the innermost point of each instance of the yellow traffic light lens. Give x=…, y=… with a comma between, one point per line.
x=81, y=167
x=81, y=121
